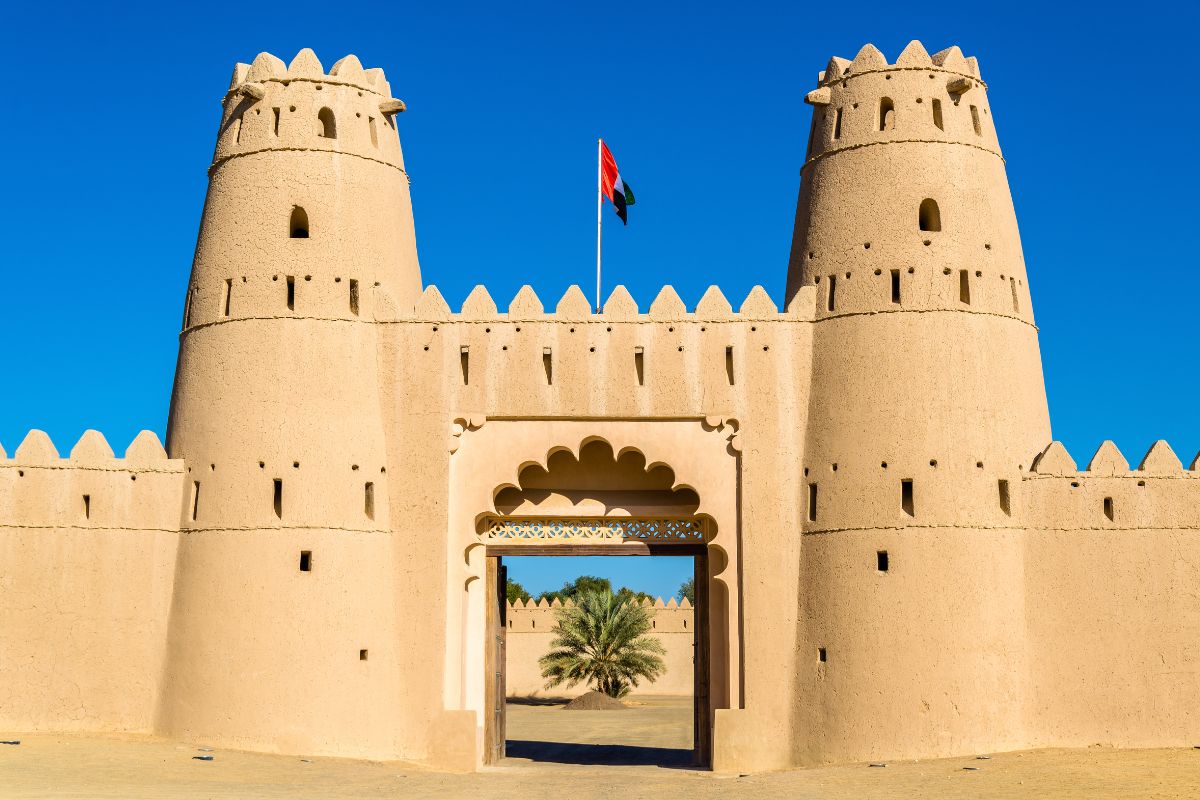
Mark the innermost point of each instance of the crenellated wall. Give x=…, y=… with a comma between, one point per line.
x=87, y=565
x=530, y=631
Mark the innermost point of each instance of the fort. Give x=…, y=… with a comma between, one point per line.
x=894, y=557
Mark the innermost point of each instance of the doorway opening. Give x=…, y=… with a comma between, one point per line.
x=665, y=720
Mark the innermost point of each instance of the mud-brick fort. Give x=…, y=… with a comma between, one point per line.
x=896, y=559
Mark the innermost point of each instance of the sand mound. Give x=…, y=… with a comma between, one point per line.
x=594, y=701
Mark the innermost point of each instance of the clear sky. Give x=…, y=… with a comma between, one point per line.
x=111, y=111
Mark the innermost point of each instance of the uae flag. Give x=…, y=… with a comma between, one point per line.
x=615, y=189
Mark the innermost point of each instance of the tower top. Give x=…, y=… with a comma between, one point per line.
x=347, y=71
x=914, y=56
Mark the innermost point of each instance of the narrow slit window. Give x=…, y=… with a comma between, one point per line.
x=237, y=129
x=369, y=499
x=187, y=307
x=729, y=364
x=306, y=561
x=906, y=497
x=881, y=560
x=837, y=124
x=812, y=134
x=228, y=293
x=929, y=216
x=822, y=655
x=548, y=365
x=937, y=115
x=298, y=225
x=374, y=133
x=278, y=498
x=639, y=365
x=831, y=297
x=291, y=292
x=887, y=114
x=87, y=506
x=1108, y=508
x=326, y=127
x=195, y=499
x=1012, y=285
x=812, y=502
x=975, y=121
x=464, y=360
x=896, y=286
x=964, y=286
x=1005, y=499
x=354, y=297
x=275, y=127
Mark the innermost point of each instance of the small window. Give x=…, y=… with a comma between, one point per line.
x=929, y=217
x=362, y=655
x=354, y=297
x=906, y=497
x=374, y=135
x=326, y=127
x=812, y=502
x=822, y=655
x=831, y=297
x=639, y=365
x=1005, y=501
x=975, y=121
x=729, y=364
x=228, y=293
x=896, y=286
x=887, y=114
x=881, y=560
x=964, y=287
x=837, y=124
x=548, y=365
x=237, y=129
x=464, y=361
x=278, y=500
x=1108, y=508
x=87, y=506
x=306, y=561
x=276, y=126
x=1012, y=285
x=195, y=499
x=298, y=226
x=369, y=500
x=291, y=292
x=937, y=115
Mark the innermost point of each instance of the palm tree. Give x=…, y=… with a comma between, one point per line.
x=601, y=640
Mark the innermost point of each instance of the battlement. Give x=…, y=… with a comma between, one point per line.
x=92, y=488
x=271, y=106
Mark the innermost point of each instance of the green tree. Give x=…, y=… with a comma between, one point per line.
x=572, y=589
x=601, y=641
x=515, y=591
x=687, y=590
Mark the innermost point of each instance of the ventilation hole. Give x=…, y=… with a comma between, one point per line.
x=87, y=506
x=464, y=360
x=1108, y=508
x=306, y=561
x=822, y=656
x=881, y=560
x=887, y=114
x=548, y=365
x=326, y=126
x=979, y=464
x=1004, y=498
x=906, y=497
x=299, y=223
x=929, y=217
x=295, y=465
x=369, y=499
x=729, y=364
x=278, y=500
x=883, y=464
x=837, y=129
x=362, y=655
x=937, y=115
x=639, y=364
x=354, y=297
x=975, y=121
x=812, y=502
x=964, y=287
x=228, y=292
x=195, y=499
x=831, y=294
x=1141, y=483
x=933, y=462
x=896, y=286
x=291, y=293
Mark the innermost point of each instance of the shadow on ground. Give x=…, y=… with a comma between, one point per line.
x=531, y=700
x=617, y=755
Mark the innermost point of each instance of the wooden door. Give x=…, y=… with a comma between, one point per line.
x=701, y=706
x=496, y=581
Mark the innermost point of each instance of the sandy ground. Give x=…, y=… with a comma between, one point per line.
x=651, y=742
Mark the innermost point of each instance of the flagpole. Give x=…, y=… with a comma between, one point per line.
x=599, y=208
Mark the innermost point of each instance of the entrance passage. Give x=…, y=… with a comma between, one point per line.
x=663, y=721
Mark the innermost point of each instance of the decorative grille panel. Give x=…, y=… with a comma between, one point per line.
x=596, y=529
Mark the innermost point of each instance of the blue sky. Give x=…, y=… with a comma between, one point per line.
x=111, y=114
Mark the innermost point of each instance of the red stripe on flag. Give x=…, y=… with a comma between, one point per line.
x=608, y=171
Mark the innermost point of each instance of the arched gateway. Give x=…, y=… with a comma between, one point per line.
x=591, y=487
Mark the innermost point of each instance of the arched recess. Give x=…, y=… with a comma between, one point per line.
x=929, y=217
x=298, y=223
x=326, y=124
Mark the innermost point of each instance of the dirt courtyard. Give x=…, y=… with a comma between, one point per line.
x=554, y=753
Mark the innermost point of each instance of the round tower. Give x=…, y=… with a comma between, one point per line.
x=282, y=632
x=927, y=402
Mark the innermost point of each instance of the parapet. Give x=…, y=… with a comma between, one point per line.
x=538, y=616
x=299, y=107
x=91, y=488
x=918, y=98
